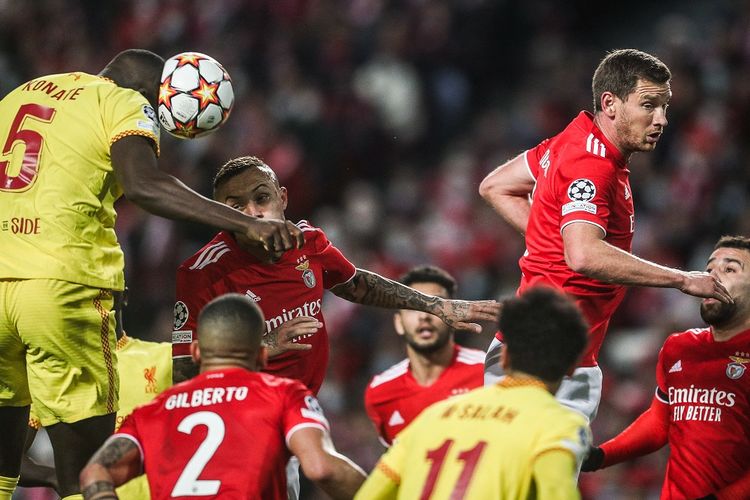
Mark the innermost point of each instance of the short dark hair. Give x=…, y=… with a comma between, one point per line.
x=544, y=332
x=739, y=242
x=236, y=166
x=620, y=71
x=231, y=322
x=430, y=274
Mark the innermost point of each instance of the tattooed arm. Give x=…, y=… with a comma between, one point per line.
x=371, y=289
x=115, y=463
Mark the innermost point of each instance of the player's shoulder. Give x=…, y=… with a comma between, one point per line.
x=312, y=234
x=211, y=255
x=687, y=337
x=581, y=143
x=469, y=356
x=389, y=376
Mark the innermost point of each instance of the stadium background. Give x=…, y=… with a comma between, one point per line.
x=381, y=117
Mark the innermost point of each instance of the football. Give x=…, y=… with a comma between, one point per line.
x=195, y=96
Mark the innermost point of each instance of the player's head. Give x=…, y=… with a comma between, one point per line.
x=423, y=332
x=632, y=89
x=230, y=329
x=137, y=69
x=248, y=184
x=730, y=264
x=544, y=334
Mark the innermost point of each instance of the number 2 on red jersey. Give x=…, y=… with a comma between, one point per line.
x=188, y=484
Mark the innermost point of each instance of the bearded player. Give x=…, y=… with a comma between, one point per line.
x=435, y=368
x=701, y=408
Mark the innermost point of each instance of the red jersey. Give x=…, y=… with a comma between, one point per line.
x=580, y=177
x=394, y=398
x=289, y=288
x=222, y=434
x=707, y=387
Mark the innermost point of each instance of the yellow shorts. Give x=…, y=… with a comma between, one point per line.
x=57, y=349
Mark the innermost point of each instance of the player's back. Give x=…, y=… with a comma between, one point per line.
x=221, y=434
x=57, y=188
x=483, y=444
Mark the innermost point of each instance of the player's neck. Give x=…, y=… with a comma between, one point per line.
x=222, y=365
x=259, y=253
x=728, y=332
x=523, y=376
x=607, y=128
x=427, y=368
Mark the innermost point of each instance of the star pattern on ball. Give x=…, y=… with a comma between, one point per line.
x=166, y=92
x=190, y=58
x=207, y=93
x=187, y=130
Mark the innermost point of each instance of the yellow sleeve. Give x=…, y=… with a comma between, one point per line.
x=380, y=484
x=555, y=475
x=127, y=112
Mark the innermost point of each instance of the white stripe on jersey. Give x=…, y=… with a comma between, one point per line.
x=470, y=356
x=593, y=145
x=391, y=373
x=210, y=254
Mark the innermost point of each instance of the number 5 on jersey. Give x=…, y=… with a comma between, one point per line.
x=32, y=141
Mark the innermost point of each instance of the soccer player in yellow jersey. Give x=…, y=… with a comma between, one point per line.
x=511, y=440
x=70, y=145
x=145, y=370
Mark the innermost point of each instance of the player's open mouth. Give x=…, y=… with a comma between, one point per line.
x=425, y=332
x=653, y=137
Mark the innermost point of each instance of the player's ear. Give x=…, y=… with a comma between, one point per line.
x=398, y=323
x=284, y=197
x=608, y=104
x=262, y=359
x=195, y=352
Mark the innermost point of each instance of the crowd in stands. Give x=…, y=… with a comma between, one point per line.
x=381, y=118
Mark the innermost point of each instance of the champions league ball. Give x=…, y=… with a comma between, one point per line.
x=195, y=96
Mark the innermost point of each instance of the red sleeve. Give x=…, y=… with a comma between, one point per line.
x=584, y=190
x=192, y=292
x=536, y=156
x=336, y=268
x=738, y=490
x=302, y=410
x=129, y=430
x=375, y=417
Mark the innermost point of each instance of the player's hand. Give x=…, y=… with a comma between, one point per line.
x=461, y=314
x=275, y=236
x=281, y=339
x=594, y=460
x=704, y=285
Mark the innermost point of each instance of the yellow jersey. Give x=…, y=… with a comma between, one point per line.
x=512, y=440
x=57, y=187
x=145, y=370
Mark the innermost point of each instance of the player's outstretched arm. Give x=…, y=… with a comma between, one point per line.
x=587, y=253
x=648, y=433
x=115, y=463
x=334, y=473
x=507, y=190
x=371, y=289
x=135, y=167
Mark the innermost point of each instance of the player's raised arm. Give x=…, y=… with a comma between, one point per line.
x=587, y=253
x=135, y=166
x=115, y=463
x=507, y=190
x=371, y=289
